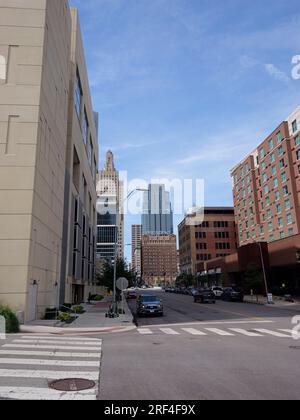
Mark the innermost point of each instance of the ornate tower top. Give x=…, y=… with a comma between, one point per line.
x=109, y=163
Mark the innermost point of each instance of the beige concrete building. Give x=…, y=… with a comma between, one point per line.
x=36, y=144
x=136, y=251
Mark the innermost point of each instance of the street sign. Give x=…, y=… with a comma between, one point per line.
x=270, y=298
x=122, y=283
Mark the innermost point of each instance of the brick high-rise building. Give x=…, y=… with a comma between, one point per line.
x=159, y=259
x=266, y=186
x=215, y=237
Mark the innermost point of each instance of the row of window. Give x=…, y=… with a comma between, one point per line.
x=271, y=236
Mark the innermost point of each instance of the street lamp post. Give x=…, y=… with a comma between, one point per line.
x=263, y=269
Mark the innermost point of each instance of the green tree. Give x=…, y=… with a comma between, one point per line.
x=105, y=276
x=253, y=279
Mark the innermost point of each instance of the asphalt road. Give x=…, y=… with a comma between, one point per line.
x=166, y=359
x=227, y=351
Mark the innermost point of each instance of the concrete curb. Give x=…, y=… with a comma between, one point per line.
x=29, y=329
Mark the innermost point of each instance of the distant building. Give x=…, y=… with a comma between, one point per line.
x=266, y=186
x=214, y=238
x=159, y=259
x=110, y=212
x=136, y=251
x=157, y=217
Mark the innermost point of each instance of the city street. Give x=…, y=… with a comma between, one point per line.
x=200, y=352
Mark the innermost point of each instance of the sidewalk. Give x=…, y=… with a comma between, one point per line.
x=279, y=303
x=92, y=321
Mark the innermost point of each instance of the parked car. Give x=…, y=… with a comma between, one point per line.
x=149, y=305
x=218, y=291
x=193, y=292
x=131, y=295
x=233, y=294
x=205, y=296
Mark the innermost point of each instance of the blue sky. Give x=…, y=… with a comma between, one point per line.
x=185, y=88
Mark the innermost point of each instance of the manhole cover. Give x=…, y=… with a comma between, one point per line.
x=71, y=385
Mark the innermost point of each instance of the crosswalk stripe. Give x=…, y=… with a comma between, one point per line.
x=145, y=331
x=193, y=331
x=69, y=343
x=53, y=347
x=169, y=331
x=14, y=373
x=245, y=332
x=294, y=333
x=40, y=362
x=219, y=332
x=64, y=338
x=50, y=354
x=30, y=393
x=274, y=333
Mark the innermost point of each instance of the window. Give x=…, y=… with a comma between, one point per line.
x=289, y=219
x=275, y=183
x=279, y=137
x=280, y=151
x=271, y=144
x=263, y=166
x=283, y=177
x=281, y=235
x=294, y=126
x=265, y=177
x=274, y=170
x=242, y=172
x=272, y=157
x=277, y=196
x=262, y=153
x=247, y=167
x=280, y=222
x=271, y=238
x=299, y=169
x=291, y=232
x=85, y=128
x=279, y=209
x=281, y=163
x=78, y=95
x=298, y=154
x=270, y=226
x=269, y=214
x=297, y=141
x=268, y=201
x=266, y=190
x=285, y=190
x=287, y=205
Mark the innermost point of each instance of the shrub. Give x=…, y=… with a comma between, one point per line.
x=12, y=322
x=78, y=309
x=64, y=317
x=98, y=298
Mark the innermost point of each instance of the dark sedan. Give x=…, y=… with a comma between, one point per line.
x=233, y=294
x=205, y=296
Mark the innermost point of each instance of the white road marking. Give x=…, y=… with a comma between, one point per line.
x=55, y=337
x=53, y=347
x=50, y=354
x=69, y=343
x=274, y=333
x=219, y=332
x=245, y=332
x=29, y=393
x=193, y=331
x=199, y=324
x=169, y=331
x=40, y=362
x=145, y=331
x=294, y=333
x=49, y=374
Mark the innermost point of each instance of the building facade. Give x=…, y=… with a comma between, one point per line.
x=35, y=90
x=110, y=224
x=215, y=237
x=79, y=241
x=159, y=259
x=157, y=217
x=266, y=186
x=136, y=249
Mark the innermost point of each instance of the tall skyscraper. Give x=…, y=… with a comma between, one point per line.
x=266, y=186
x=110, y=211
x=157, y=217
x=48, y=159
x=136, y=237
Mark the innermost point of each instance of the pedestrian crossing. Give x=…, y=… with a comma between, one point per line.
x=28, y=365
x=221, y=332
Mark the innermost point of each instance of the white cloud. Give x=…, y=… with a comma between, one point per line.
x=275, y=72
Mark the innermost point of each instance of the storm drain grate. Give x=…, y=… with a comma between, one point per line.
x=72, y=385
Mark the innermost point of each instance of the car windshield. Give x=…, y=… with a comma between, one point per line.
x=149, y=299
